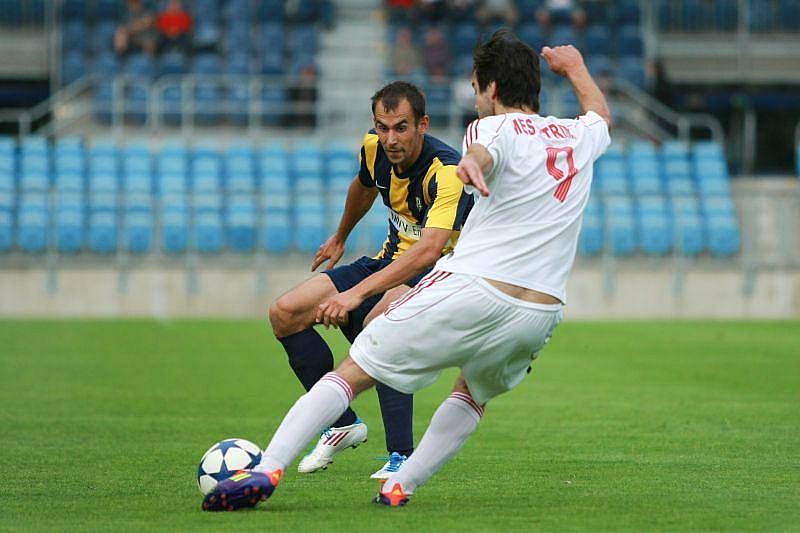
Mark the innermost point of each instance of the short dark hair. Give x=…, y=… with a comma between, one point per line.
x=391, y=95
x=513, y=65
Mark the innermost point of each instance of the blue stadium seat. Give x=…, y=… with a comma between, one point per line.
x=207, y=91
x=203, y=183
x=619, y=220
x=611, y=174
x=103, y=182
x=7, y=200
x=631, y=68
x=237, y=37
x=102, y=36
x=173, y=164
x=73, y=9
x=562, y=35
x=103, y=231
x=718, y=206
x=645, y=175
x=6, y=230
x=107, y=9
x=627, y=12
x=105, y=147
x=241, y=224
x=674, y=150
x=207, y=202
x=271, y=10
x=591, y=241
x=688, y=226
x=309, y=229
x=694, y=15
x=789, y=14
x=277, y=234
x=205, y=148
x=655, y=226
x=174, y=148
x=307, y=161
x=726, y=14
x=465, y=36
x=598, y=41
x=7, y=182
x=531, y=34
x=35, y=201
x=174, y=230
x=762, y=15
x=138, y=231
x=237, y=92
x=106, y=163
x=34, y=145
x=69, y=229
x=32, y=229
x=73, y=36
x=139, y=202
x=73, y=67
x=32, y=181
x=438, y=95
x=642, y=150
x=70, y=162
x=630, y=41
x=172, y=183
x=69, y=182
x=723, y=235
x=172, y=63
x=208, y=233
x=273, y=103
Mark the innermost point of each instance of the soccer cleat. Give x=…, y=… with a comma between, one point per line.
x=391, y=498
x=392, y=465
x=244, y=489
x=333, y=441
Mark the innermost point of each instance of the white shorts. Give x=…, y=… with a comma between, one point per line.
x=455, y=320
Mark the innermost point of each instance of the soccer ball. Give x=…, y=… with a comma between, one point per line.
x=223, y=460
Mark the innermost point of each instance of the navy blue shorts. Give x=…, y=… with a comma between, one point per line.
x=348, y=276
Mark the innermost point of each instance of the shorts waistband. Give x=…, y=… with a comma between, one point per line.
x=497, y=293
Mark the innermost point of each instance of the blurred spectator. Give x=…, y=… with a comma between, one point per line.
x=136, y=33
x=175, y=26
x=436, y=54
x=432, y=11
x=303, y=96
x=561, y=12
x=492, y=12
x=401, y=11
x=405, y=55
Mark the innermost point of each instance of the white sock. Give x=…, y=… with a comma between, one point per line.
x=311, y=413
x=455, y=420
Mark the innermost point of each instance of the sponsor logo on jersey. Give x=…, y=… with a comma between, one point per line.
x=405, y=226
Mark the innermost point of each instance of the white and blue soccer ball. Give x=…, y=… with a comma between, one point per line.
x=223, y=460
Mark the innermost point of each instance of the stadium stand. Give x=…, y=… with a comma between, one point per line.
x=244, y=197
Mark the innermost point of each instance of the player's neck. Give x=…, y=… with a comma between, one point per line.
x=500, y=109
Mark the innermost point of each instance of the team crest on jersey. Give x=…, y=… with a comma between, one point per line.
x=419, y=204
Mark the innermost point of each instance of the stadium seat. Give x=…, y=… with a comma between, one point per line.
x=598, y=41
x=655, y=228
x=174, y=230
x=102, y=36
x=591, y=241
x=723, y=235
x=6, y=230
x=73, y=36
x=789, y=14
x=695, y=15
x=309, y=229
x=619, y=220
x=172, y=63
x=103, y=182
x=7, y=200
x=241, y=225
x=726, y=14
x=307, y=161
x=762, y=15
x=73, y=67
x=32, y=229
x=208, y=233
x=630, y=41
x=271, y=10
x=103, y=231
x=627, y=12
x=563, y=35
x=465, y=35
x=69, y=229
x=172, y=183
x=277, y=234
x=631, y=68
x=32, y=181
x=138, y=231
x=611, y=174
x=689, y=232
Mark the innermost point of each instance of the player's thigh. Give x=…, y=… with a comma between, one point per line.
x=302, y=301
x=388, y=297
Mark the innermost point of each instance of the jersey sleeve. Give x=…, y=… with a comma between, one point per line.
x=596, y=132
x=366, y=160
x=487, y=132
x=449, y=200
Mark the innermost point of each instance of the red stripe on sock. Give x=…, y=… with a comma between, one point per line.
x=467, y=399
x=333, y=378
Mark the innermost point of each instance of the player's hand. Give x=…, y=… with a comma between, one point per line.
x=563, y=60
x=332, y=250
x=334, y=310
x=471, y=174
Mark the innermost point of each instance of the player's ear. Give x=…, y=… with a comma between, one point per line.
x=424, y=124
x=493, y=89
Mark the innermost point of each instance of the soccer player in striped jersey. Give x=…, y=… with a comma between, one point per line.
x=414, y=175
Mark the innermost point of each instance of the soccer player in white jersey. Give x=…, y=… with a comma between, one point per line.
x=489, y=307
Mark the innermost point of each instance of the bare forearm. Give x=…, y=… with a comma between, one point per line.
x=589, y=94
x=359, y=201
x=405, y=267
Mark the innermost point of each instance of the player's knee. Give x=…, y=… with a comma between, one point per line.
x=461, y=386
x=281, y=316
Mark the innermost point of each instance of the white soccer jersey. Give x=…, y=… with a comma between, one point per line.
x=526, y=231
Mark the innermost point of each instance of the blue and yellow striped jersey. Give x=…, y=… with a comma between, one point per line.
x=427, y=195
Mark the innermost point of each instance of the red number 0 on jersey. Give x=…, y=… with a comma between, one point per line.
x=557, y=173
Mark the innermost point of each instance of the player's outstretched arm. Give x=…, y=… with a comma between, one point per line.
x=472, y=168
x=567, y=61
x=359, y=201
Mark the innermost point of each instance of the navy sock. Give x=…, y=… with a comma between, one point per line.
x=311, y=358
x=397, y=409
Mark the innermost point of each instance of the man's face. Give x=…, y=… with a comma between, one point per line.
x=484, y=101
x=398, y=134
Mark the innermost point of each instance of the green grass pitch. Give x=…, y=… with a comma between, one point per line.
x=621, y=426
